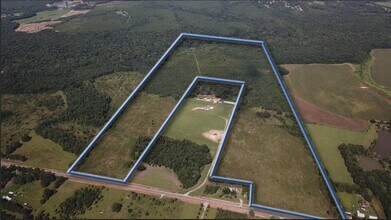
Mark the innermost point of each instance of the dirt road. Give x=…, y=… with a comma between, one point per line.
x=138, y=188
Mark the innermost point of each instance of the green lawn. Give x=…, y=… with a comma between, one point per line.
x=45, y=153
x=327, y=139
x=44, y=15
x=335, y=88
x=191, y=124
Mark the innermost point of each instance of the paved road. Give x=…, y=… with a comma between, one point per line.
x=138, y=188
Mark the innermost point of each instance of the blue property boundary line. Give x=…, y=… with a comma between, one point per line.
x=221, y=146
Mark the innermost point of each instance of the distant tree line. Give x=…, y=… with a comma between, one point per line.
x=377, y=181
x=186, y=158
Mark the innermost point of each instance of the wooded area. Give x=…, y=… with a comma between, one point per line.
x=186, y=158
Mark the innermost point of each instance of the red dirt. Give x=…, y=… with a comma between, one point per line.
x=314, y=114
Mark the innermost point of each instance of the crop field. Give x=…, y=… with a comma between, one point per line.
x=276, y=172
x=326, y=141
x=380, y=70
x=45, y=153
x=44, y=16
x=336, y=89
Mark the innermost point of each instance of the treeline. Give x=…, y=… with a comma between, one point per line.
x=15, y=208
x=224, y=91
x=225, y=214
x=186, y=158
x=86, y=106
x=67, y=140
x=377, y=181
x=81, y=200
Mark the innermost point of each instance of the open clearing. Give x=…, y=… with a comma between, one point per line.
x=326, y=141
x=192, y=124
x=334, y=88
x=45, y=153
x=381, y=67
x=44, y=16
x=279, y=164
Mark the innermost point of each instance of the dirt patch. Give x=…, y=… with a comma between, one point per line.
x=314, y=114
x=383, y=144
x=36, y=27
x=214, y=135
x=75, y=12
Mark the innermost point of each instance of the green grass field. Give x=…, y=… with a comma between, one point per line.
x=43, y=16
x=380, y=70
x=142, y=206
x=143, y=117
x=45, y=153
x=327, y=139
x=190, y=123
x=334, y=88
x=279, y=164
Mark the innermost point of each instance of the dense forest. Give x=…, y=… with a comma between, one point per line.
x=377, y=181
x=49, y=61
x=186, y=158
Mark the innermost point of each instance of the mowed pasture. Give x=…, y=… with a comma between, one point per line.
x=191, y=122
x=381, y=67
x=334, y=87
x=143, y=117
x=44, y=16
x=326, y=141
x=279, y=164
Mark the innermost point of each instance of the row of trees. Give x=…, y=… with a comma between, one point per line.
x=377, y=181
x=220, y=90
x=186, y=158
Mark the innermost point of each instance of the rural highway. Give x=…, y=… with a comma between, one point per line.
x=138, y=188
